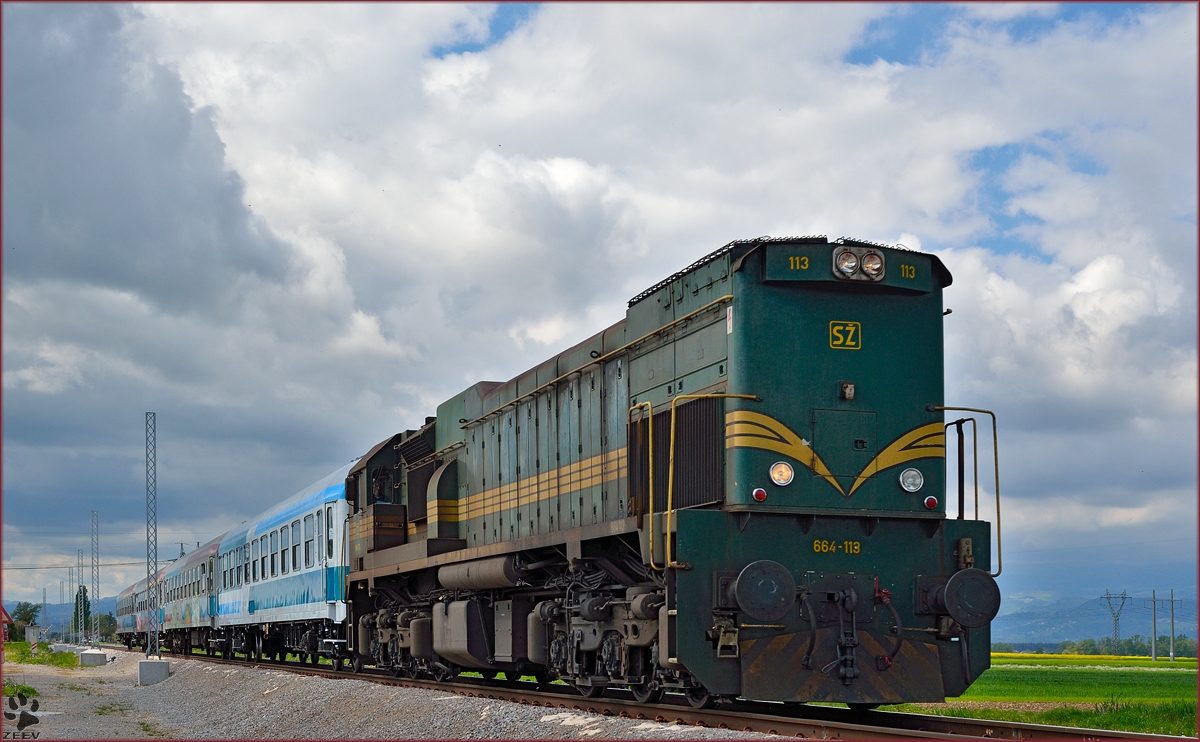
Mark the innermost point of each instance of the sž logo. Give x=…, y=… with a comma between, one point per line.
x=17, y=705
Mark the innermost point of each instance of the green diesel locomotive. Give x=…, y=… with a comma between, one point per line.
x=737, y=491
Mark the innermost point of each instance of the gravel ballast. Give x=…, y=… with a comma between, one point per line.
x=202, y=700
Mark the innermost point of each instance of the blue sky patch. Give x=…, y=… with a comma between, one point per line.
x=912, y=34
x=506, y=18
x=992, y=163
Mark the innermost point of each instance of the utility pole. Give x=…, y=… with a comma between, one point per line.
x=70, y=637
x=1116, y=614
x=62, y=599
x=95, y=574
x=1153, y=626
x=46, y=616
x=81, y=624
x=152, y=538
x=1172, y=624
x=1154, y=622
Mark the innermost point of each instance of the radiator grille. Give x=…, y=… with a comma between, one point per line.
x=699, y=456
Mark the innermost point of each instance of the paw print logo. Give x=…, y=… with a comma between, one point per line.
x=26, y=718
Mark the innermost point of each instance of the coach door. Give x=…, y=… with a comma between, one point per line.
x=212, y=592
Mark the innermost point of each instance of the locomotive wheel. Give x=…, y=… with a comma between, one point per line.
x=647, y=692
x=314, y=659
x=303, y=657
x=700, y=698
x=356, y=665
x=488, y=674
x=859, y=707
x=339, y=664
x=590, y=691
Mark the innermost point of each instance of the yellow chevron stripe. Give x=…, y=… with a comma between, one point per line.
x=927, y=441
x=747, y=429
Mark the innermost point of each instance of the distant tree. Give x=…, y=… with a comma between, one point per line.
x=85, y=625
x=1001, y=647
x=26, y=613
x=108, y=627
x=1185, y=646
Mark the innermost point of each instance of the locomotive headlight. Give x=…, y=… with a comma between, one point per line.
x=872, y=264
x=911, y=480
x=782, y=473
x=847, y=263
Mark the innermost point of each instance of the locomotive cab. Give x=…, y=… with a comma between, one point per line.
x=820, y=579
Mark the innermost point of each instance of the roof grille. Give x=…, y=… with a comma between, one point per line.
x=718, y=253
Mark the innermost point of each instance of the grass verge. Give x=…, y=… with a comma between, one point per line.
x=11, y=689
x=20, y=652
x=1176, y=717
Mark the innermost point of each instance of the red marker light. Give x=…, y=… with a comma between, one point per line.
x=759, y=494
x=931, y=502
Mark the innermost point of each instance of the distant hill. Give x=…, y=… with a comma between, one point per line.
x=1055, y=619
x=61, y=614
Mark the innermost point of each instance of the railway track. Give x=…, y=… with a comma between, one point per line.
x=822, y=722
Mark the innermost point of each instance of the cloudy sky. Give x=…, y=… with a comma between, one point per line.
x=292, y=230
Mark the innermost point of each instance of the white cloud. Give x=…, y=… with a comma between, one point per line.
x=338, y=228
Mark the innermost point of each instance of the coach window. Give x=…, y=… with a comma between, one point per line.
x=246, y=561
x=241, y=562
x=254, y=560
x=283, y=550
x=265, y=555
x=274, y=553
x=329, y=532
x=308, y=541
x=295, y=545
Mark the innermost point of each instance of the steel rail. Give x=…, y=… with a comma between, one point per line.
x=823, y=722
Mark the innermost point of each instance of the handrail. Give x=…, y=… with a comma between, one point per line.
x=650, y=524
x=996, y=461
x=671, y=465
x=974, y=459
x=602, y=358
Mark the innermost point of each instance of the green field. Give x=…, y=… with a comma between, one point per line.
x=1124, y=693
x=1089, y=660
